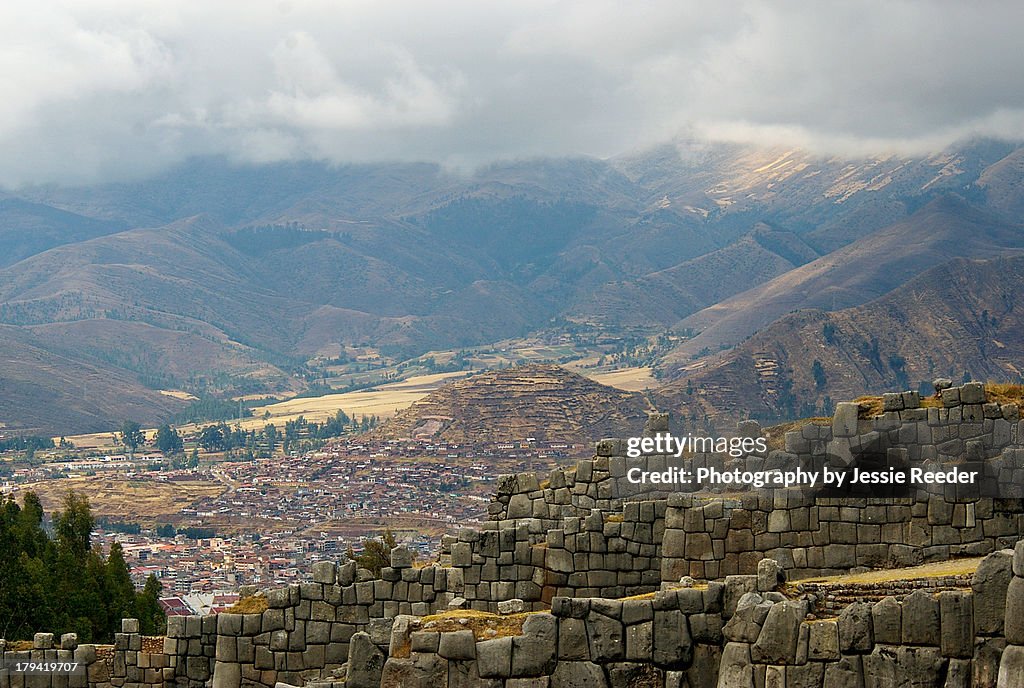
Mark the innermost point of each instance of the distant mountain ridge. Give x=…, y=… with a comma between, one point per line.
x=181, y=281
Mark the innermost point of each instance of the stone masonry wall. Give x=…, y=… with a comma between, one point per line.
x=131, y=662
x=744, y=632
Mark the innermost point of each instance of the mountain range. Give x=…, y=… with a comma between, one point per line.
x=227, y=279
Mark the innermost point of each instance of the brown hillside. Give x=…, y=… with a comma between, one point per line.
x=870, y=267
x=547, y=402
x=958, y=318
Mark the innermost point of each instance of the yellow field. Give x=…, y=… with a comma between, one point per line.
x=629, y=379
x=177, y=394
x=382, y=402
x=96, y=440
x=119, y=498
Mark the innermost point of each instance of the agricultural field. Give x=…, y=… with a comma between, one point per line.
x=629, y=379
x=146, y=501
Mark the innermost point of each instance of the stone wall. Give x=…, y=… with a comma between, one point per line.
x=131, y=662
x=306, y=630
x=740, y=633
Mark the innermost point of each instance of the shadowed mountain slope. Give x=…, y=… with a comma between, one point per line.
x=960, y=320
x=944, y=229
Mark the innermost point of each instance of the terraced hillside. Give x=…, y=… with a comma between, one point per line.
x=546, y=402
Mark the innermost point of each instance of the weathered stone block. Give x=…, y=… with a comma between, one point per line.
x=1011, y=667
x=855, y=630
x=769, y=575
x=745, y=624
x=606, y=637
x=1014, y=619
x=920, y=621
x=844, y=421
x=823, y=640
x=735, y=669
x=777, y=642
x=956, y=615
x=365, y=662
x=885, y=621
x=457, y=645
x=672, y=643
x=494, y=658
x=578, y=675
x=534, y=653
x=325, y=572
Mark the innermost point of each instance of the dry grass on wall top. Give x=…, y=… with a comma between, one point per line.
x=485, y=625
x=776, y=434
x=995, y=392
x=257, y=604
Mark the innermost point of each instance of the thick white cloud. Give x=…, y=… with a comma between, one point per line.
x=97, y=89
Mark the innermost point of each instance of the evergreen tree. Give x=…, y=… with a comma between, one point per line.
x=121, y=602
x=152, y=620
x=168, y=441
x=131, y=436
x=376, y=553
x=79, y=580
x=73, y=526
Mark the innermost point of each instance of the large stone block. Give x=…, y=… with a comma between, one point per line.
x=606, y=638
x=989, y=585
x=956, y=615
x=1011, y=667
x=578, y=675
x=494, y=658
x=745, y=624
x=844, y=421
x=855, y=629
x=735, y=669
x=227, y=675
x=769, y=573
x=985, y=663
x=534, y=652
x=848, y=672
x=1014, y=620
x=640, y=642
x=777, y=642
x=920, y=622
x=672, y=645
x=365, y=662
x=823, y=640
x=457, y=645
x=325, y=572
x=885, y=621
x=572, y=640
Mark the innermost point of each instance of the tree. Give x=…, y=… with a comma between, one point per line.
x=818, y=371
x=211, y=438
x=131, y=436
x=270, y=433
x=168, y=441
x=120, y=590
x=376, y=553
x=73, y=526
x=152, y=620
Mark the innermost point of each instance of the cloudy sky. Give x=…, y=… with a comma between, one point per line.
x=105, y=89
